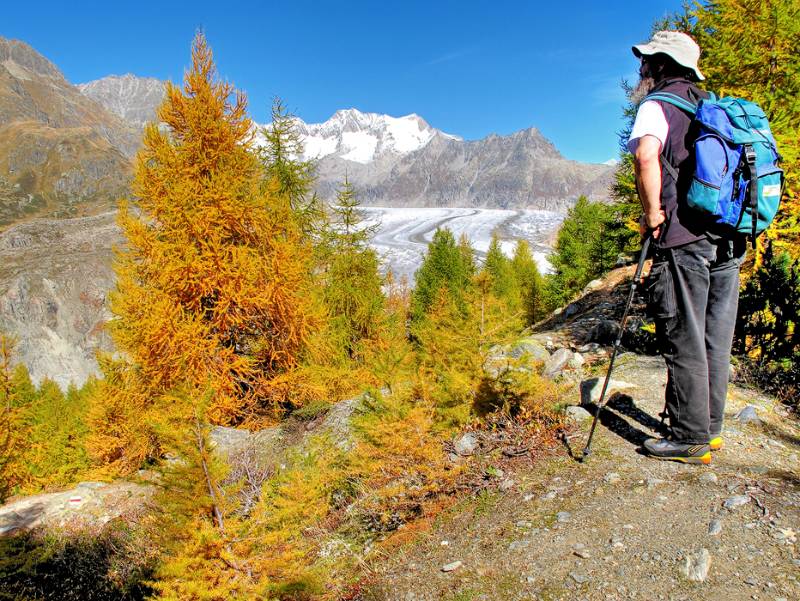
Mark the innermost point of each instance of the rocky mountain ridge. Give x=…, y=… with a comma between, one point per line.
x=61, y=154
x=133, y=99
x=520, y=171
x=403, y=161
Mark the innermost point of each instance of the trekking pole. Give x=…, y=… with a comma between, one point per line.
x=636, y=276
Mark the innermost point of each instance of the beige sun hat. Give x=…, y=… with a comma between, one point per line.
x=676, y=44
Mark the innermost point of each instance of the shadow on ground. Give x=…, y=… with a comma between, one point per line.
x=613, y=417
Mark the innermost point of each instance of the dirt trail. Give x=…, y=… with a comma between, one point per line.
x=621, y=525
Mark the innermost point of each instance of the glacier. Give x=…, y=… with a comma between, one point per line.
x=403, y=234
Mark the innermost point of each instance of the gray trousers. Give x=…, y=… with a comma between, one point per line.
x=693, y=296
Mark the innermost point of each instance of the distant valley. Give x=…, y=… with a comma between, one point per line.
x=66, y=156
x=55, y=273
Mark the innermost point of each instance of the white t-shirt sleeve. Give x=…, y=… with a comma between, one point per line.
x=650, y=121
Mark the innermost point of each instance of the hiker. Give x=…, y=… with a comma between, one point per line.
x=694, y=283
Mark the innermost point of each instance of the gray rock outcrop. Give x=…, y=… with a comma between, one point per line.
x=134, y=99
x=532, y=347
x=54, y=278
x=91, y=504
x=87, y=504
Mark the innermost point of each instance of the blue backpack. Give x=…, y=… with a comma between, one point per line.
x=736, y=179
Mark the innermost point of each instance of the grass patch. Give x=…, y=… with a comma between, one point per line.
x=465, y=595
x=485, y=500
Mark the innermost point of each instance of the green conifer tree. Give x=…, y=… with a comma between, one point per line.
x=529, y=281
x=583, y=250
x=448, y=342
x=199, y=562
x=768, y=325
x=751, y=48
x=282, y=157
x=467, y=254
x=56, y=434
x=505, y=286
x=443, y=266
x=352, y=290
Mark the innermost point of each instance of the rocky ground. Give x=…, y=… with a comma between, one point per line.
x=620, y=525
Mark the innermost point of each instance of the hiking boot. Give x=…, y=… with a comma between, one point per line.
x=715, y=443
x=670, y=450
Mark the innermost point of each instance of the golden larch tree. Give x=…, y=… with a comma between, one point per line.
x=213, y=282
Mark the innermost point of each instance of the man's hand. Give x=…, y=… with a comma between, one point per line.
x=652, y=222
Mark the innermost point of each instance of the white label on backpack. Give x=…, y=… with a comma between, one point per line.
x=771, y=190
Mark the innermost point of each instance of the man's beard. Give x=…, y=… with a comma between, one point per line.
x=641, y=89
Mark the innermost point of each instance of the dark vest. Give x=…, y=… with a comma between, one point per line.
x=683, y=224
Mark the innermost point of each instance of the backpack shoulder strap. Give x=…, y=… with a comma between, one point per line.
x=679, y=102
x=669, y=168
x=674, y=100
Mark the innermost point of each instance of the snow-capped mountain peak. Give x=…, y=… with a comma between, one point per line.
x=364, y=137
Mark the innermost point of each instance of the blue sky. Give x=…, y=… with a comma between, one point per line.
x=469, y=68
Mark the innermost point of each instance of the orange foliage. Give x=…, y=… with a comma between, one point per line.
x=401, y=459
x=10, y=472
x=213, y=283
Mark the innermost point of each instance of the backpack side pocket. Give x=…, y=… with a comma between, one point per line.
x=770, y=181
x=712, y=184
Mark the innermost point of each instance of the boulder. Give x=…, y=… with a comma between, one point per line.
x=466, y=444
x=571, y=309
x=576, y=361
x=266, y=445
x=696, y=566
x=496, y=362
x=271, y=443
x=577, y=413
x=88, y=505
x=593, y=387
x=224, y=439
x=337, y=421
x=623, y=260
x=555, y=365
x=748, y=415
x=592, y=286
x=530, y=346
x=604, y=331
